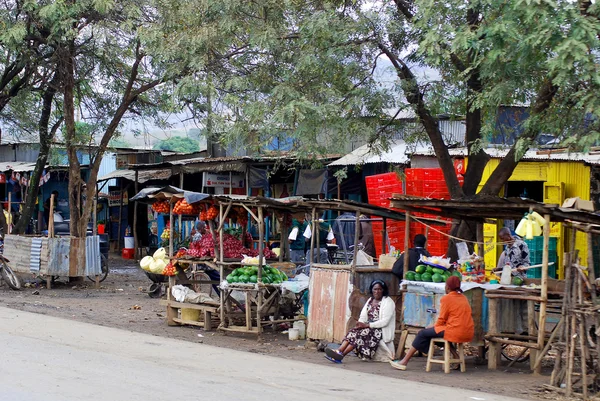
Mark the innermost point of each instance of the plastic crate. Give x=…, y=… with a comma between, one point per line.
x=537, y=272
x=382, y=179
x=537, y=243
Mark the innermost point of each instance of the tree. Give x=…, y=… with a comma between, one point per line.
x=178, y=144
x=309, y=72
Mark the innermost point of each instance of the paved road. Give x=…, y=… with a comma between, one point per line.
x=51, y=359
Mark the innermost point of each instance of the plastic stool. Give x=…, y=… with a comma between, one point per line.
x=447, y=361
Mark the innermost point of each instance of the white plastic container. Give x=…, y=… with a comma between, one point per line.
x=506, y=278
x=293, y=334
x=301, y=329
x=129, y=243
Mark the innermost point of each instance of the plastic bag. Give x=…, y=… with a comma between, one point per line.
x=363, y=259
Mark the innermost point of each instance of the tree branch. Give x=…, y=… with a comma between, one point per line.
x=416, y=98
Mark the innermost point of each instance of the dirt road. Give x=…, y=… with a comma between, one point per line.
x=123, y=303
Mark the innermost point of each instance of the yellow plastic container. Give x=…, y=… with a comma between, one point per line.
x=190, y=314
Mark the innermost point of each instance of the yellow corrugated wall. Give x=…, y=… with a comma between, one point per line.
x=576, y=178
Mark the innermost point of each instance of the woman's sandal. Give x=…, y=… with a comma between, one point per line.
x=334, y=354
x=332, y=360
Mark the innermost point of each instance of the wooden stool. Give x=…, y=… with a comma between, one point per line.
x=447, y=355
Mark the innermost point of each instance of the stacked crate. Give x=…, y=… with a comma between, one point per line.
x=429, y=183
x=380, y=189
x=536, y=250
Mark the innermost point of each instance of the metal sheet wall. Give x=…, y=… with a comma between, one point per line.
x=328, y=312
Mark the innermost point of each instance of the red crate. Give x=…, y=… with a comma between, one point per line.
x=382, y=179
x=414, y=188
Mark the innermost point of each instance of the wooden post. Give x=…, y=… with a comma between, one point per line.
x=221, y=267
x=544, y=295
x=261, y=245
x=494, y=348
x=180, y=218
x=135, y=217
x=312, y=237
x=531, y=329
x=406, y=242
x=480, y=240
x=120, y=215
x=356, y=241
x=50, y=218
x=383, y=236
x=171, y=278
x=10, y=213
x=95, y=216
x=282, y=230
x=592, y=278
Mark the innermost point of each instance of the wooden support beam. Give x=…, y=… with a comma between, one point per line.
x=406, y=243
x=544, y=283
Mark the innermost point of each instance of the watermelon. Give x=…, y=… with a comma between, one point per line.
x=266, y=280
x=418, y=277
x=421, y=269
x=437, y=278
x=429, y=270
x=426, y=277
x=410, y=276
x=229, y=278
x=517, y=281
x=438, y=271
x=444, y=278
x=252, y=278
x=457, y=274
x=244, y=278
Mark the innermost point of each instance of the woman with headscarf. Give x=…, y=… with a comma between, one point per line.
x=375, y=328
x=454, y=324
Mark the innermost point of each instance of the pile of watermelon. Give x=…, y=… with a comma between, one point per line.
x=249, y=274
x=430, y=274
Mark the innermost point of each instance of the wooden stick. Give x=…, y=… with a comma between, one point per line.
x=523, y=351
x=221, y=267
x=10, y=212
x=521, y=297
x=224, y=217
x=261, y=244
x=406, y=243
x=356, y=241
x=255, y=217
x=512, y=342
x=171, y=233
x=383, y=236
x=121, y=216
x=494, y=349
x=531, y=329
x=542, y=316
x=541, y=355
x=135, y=217
x=312, y=237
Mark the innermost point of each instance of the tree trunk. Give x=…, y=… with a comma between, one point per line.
x=46, y=137
x=68, y=61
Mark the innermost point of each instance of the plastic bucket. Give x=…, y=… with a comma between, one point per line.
x=190, y=314
x=129, y=243
x=293, y=334
x=100, y=228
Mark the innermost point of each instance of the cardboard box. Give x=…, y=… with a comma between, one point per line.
x=579, y=204
x=386, y=262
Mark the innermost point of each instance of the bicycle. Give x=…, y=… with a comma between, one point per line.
x=104, y=269
x=7, y=274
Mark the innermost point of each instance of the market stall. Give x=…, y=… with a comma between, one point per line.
x=252, y=283
x=338, y=291
x=540, y=296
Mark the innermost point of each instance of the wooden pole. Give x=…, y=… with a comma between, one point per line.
x=120, y=215
x=50, y=219
x=261, y=244
x=384, y=236
x=221, y=267
x=356, y=241
x=544, y=295
x=282, y=231
x=592, y=278
x=180, y=218
x=480, y=240
x=312, y=237
x=494, y=347
x=135, y=217
x=406, y=242
x=10, y=213
x=171, y=278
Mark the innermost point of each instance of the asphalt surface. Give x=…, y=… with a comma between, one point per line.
x=52, y=359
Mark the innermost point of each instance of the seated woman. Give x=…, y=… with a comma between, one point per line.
x=374, y=332
x=454, y=324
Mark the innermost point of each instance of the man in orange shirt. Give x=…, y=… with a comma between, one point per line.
x=454, y=324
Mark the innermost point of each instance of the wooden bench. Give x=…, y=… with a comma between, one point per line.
x=172, y=314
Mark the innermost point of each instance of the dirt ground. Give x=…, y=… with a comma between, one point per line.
x=122, y=302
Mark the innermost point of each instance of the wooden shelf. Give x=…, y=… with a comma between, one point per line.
x=184, y=305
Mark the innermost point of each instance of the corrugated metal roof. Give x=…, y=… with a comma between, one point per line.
x=143, y=175
x=531, y=155
x=396, y=154
x=17, y=166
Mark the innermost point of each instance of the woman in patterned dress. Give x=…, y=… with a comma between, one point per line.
x=376, y=323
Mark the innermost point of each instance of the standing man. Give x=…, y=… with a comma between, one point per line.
x=414, y=254
x=516, y=253
x=366, y=236
x=47, y=206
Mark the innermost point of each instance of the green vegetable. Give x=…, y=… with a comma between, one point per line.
x=438, y=271
x=457, y=274
x=437, y=278
x=426, y=277
x=418, y=277
x=444, y=278
x=410, y=276
x=284, y=277
x=266, y=280
x=517, y=281
x=253, y=278
x=244, y=278
x=229, y=278
x=420, y=269
x=430, y=270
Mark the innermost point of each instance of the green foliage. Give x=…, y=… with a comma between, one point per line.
x=178, y=144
